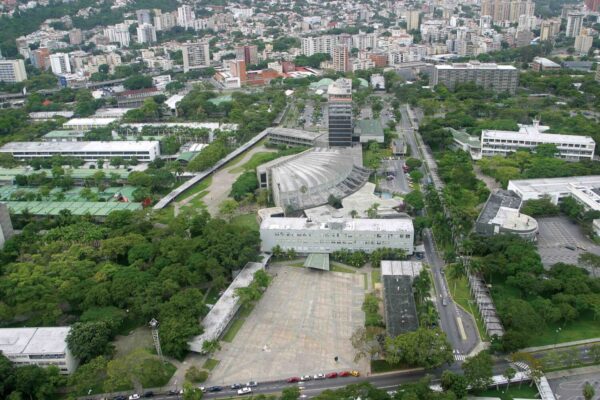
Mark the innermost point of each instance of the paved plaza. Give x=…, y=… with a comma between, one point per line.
x=571, y=387
x=558, y=232
x=303, y=321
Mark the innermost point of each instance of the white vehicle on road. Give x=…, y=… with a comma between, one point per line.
x=245, y=390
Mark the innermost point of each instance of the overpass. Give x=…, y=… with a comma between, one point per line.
x=205, y=174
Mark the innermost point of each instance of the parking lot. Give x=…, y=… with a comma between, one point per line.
x=304, y=320
x=558, y=232
x=571, y=387
x=398, y=182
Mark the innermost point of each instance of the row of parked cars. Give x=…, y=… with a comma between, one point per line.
x=316, y=377
x=241, y=388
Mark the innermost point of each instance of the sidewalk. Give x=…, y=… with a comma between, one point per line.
x=561, y=345
x=593, y=369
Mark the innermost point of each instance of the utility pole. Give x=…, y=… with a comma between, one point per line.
x=154, y=326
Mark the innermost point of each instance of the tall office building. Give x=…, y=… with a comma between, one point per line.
x=40, y=58
x=60, y=64
x=143, y=17
x=341, y=58
x=574, y=24
x=340, y=126
x=195, y=55
x=146, y=33
x=248, y=53
x=75, y=36
x=507, y=10
x=185, y=16
x=412, y=20
x=592, y=5
x=500, y=78
x=164, y=21
x=583, y=42
x=12, y=71
x=118, y=34
x=318, y=44
x=549, y=28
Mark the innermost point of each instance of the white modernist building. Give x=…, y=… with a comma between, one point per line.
x=570, y=147
x=584, y=189
x=86, y=124
x=305, y=236
x=144, y=151
x=38, y=346
x=59, y=63
x=12, y=71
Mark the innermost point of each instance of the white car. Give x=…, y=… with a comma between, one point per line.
x=306, y=378
x=134, y=396
x=245, y=390
x=319, y=376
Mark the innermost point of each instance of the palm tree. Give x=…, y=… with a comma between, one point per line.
x=509, y=373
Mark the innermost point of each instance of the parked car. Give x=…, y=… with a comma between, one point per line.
x=244, y=390
x=319, y=376
x=202, y=389
x=355, y=373
x=236, y=386
x=149, y=394
x=173, y=392
x=134, y=396
x=252, y=384
x=331, y=375
x=306, y=378
x=345, y=374
x=120, y=398
x=213, y=389
x=293, y=379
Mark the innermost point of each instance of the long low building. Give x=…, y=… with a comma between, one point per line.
x=144, y=151
x=38, y=346
x=293, y=137
x=584, y=189
x=398, y=299
x=305, y=236
x=570, y=147
x=86, y=124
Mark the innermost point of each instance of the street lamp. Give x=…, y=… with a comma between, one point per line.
x=556, y=336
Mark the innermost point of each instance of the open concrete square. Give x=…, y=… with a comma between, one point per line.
x=558, y=232
x=303, y=321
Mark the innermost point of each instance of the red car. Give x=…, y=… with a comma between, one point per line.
x=293, y=379
x=331, y=375
x=345, y=374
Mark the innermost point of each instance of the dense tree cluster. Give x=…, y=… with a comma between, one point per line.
x=527, y=297
x=30, y=381
x=55, y=274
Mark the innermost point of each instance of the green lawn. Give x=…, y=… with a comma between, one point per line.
x=210, y=364
x=513, y=392
x=375, y=276
x=247, y=220
x=195, y=189
x=583, y=328
x=237, y=323
x=254, y=161
x=339, y=268
x=197, y=201
x=459, y=289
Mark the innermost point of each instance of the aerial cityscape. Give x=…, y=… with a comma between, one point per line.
x=299, y=199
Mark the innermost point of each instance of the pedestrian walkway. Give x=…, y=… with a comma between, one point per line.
x=561, y=345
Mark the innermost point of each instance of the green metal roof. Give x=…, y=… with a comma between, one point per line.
x=187, y=156
x=64, y=134
x=363, y=82
x=464, y=137
x=317, y=261
x=321, y=83
x=369, y=127
x=75, y=207
x=221, y=99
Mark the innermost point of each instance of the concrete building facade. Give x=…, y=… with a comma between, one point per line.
x=12, y=71
x=340, y=124
x=570, y=147
x=500, y=78
x=305, y=236
x=38, y=346
x=195, y=55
